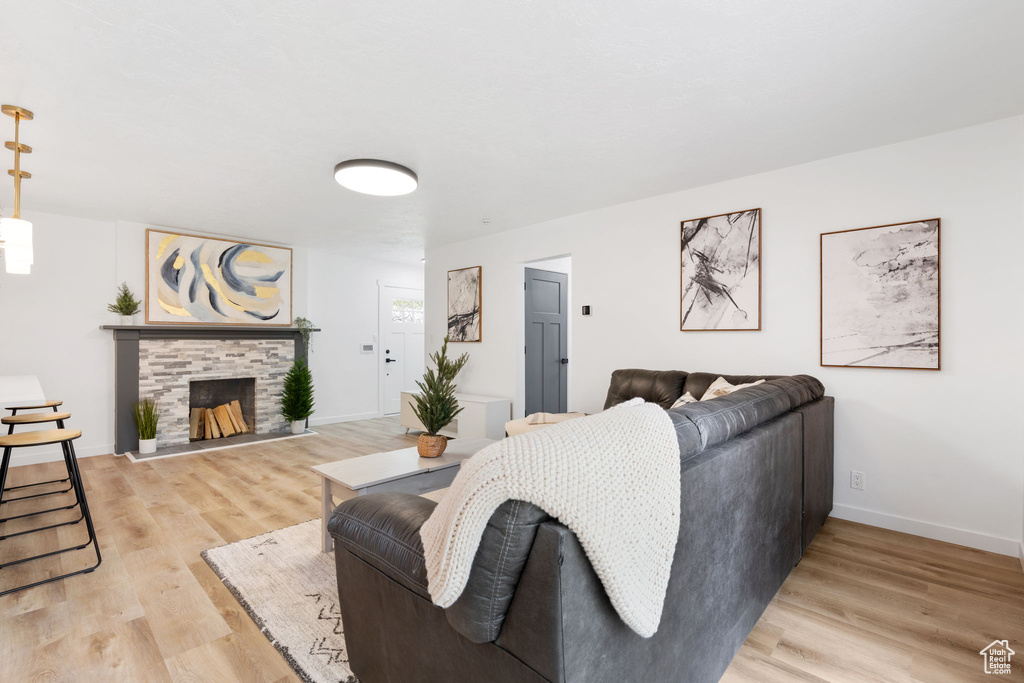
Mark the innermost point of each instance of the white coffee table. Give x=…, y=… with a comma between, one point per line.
x=402, y=470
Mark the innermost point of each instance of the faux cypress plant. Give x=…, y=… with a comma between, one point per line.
x=125, y=304
x=297, y=397
x=436, y=405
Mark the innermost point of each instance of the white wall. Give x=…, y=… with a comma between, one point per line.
x=941, y=451
x=50, y=321
x=343, y=301
x=50, y=325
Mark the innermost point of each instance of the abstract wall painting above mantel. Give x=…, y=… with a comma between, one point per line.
x=720, y=263
x=880, y=296
x=465, y=309
x=208, y=281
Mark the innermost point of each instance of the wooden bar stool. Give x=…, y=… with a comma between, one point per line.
x=38, y=418
x=45, y=404
x=65, y=437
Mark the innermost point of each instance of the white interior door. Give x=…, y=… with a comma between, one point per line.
x=401, y=344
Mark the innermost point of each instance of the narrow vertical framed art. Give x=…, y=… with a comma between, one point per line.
x=720, y=273
x=465, y=304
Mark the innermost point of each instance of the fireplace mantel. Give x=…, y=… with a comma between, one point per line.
x=203, y=331
x=126, y=362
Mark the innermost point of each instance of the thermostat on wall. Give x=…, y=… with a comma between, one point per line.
x=367, y=348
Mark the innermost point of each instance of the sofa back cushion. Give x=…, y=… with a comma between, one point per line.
x=654, y=386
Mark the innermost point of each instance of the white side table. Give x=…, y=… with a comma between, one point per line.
x=481, y=416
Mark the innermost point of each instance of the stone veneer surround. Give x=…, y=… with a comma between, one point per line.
x=166, y=366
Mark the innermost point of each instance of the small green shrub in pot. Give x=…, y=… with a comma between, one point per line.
x=125, y=305
x=297, y=396
x=436, y=406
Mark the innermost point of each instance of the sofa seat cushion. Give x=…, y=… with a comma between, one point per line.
x=383, y=530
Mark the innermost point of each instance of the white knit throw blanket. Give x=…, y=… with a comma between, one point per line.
x=613, y=478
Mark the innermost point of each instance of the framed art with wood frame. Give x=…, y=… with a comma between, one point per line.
x=465, y=304
x=880, y=296
x=197, y=280
x=720, y=273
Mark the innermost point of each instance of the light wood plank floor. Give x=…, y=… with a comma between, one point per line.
x=864, y=605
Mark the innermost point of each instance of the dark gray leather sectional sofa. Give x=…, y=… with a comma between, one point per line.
x=756, y=479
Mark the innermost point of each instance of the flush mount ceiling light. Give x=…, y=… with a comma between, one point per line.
x=373, y=176
x=16, y=233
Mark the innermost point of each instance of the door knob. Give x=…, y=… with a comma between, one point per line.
x=390, y=360
x=565, y=361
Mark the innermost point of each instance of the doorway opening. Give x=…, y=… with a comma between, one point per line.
x=546, y=335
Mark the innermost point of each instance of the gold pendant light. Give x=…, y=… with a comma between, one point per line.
x=16, y=233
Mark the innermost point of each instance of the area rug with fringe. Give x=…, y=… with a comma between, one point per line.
x=288, y=586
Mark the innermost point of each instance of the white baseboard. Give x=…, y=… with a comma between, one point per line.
x=971, y=539
x=54, y=454
x=1020, y=556
x=313, y=421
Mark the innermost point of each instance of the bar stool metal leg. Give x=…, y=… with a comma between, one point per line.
x=81, y=516
x=70, y=479
x=69, y=451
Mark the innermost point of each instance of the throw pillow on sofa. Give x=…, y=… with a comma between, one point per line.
x=537, y=421
x=720, y=388
x=683, y=400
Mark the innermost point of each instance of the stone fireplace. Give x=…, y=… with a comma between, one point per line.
x=184, y=366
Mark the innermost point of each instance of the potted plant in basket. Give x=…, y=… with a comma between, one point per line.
x=436, y=406
x=146, y=417
x=125, y=305
x=297, y=397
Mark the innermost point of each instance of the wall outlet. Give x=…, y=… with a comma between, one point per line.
x=856, y=480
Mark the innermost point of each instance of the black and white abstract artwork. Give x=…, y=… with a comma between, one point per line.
x=880, y=296
x=720, y=262
x=464, y=310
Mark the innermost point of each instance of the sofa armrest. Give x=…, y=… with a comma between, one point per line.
x=383, y=530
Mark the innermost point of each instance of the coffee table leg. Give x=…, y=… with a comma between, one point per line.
x=327, y=507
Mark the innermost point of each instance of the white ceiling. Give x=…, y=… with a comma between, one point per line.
x=228, y=116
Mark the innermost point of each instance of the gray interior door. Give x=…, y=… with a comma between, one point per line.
x=547, y=346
